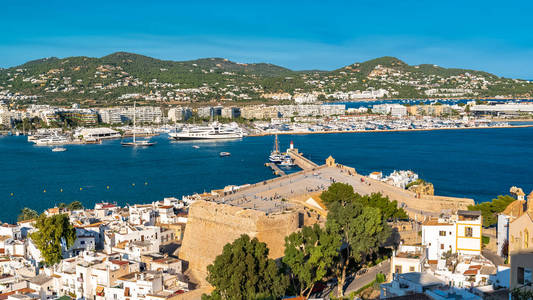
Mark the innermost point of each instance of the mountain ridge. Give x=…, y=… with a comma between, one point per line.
x=124, y=54
x=108, y=78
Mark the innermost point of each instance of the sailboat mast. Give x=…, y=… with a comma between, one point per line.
x=134, y=119
x=276, y=144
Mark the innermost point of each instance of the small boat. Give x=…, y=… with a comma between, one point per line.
x=59, y=149
x=287, y=162
x=196, y=147
x=136, y=143
x=222, y=154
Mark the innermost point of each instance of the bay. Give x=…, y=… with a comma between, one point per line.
x=474, y=163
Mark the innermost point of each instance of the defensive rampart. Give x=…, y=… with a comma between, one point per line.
x=212, y=225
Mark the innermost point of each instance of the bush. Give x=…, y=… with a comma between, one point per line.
x=485, y=239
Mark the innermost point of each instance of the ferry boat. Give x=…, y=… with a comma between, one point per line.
x=59, y=149
x=213, y=131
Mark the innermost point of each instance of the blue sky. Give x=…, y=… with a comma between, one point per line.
x=495, y=36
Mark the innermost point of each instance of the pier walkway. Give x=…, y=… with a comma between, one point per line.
x=300, y=160
x=276, y=169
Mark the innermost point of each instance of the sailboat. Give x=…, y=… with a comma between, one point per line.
x=275, y=155
x=135, y=143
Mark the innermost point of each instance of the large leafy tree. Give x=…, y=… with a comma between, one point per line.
x=338, y=193
x=359, y=224
x=310, y=254
x=244, y=271
x=52, y=233
x=389, y=209
x=27, y=214
x=362, y=230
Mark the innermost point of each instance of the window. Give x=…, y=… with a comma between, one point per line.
x=442, y=246
x=411, y=269
x=442, y=233
x=520, y=275
x=397, y=269
x=468, y=231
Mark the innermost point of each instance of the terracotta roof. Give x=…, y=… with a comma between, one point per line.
x=435, y=223
x=470, y=272
x=119, y=262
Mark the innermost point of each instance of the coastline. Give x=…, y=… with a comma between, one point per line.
x=382, y=130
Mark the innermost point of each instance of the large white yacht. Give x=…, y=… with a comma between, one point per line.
x=212, y=131
x=51, y=140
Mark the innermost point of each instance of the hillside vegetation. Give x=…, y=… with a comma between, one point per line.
x=107, y=79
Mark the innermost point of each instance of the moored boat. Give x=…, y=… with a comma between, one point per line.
x=213, y=131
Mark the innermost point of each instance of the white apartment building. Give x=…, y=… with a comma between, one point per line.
x=5, y=118
x=503, y=109
x=460, y=233
x=305, y=98
x=110, y=115
x=142, y=214
x=231, y=112
x=395, y=110
x=179, y=114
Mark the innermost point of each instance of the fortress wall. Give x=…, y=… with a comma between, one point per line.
x=211, y=226
x=449, y=202
x=272, y=230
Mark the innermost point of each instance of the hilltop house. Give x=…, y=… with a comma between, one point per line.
x=460, y=234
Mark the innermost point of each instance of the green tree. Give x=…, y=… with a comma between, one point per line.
x=310, y=254
x=75, y=205
x=362, y=230
x=52, y=234
x=338, y=193
x=343, y=193
x=389, y=209
x=244, y=271
x=489, y=210
x=27, y=214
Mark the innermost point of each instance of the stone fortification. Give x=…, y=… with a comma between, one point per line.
x=212, y=225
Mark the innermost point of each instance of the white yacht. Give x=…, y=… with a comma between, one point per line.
x=51, y=140
x=212, y=131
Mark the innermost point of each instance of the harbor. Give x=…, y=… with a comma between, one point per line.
x=27, y=170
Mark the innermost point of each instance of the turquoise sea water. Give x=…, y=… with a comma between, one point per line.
x=478, y=164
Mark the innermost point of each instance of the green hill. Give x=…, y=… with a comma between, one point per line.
x=102, y=81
